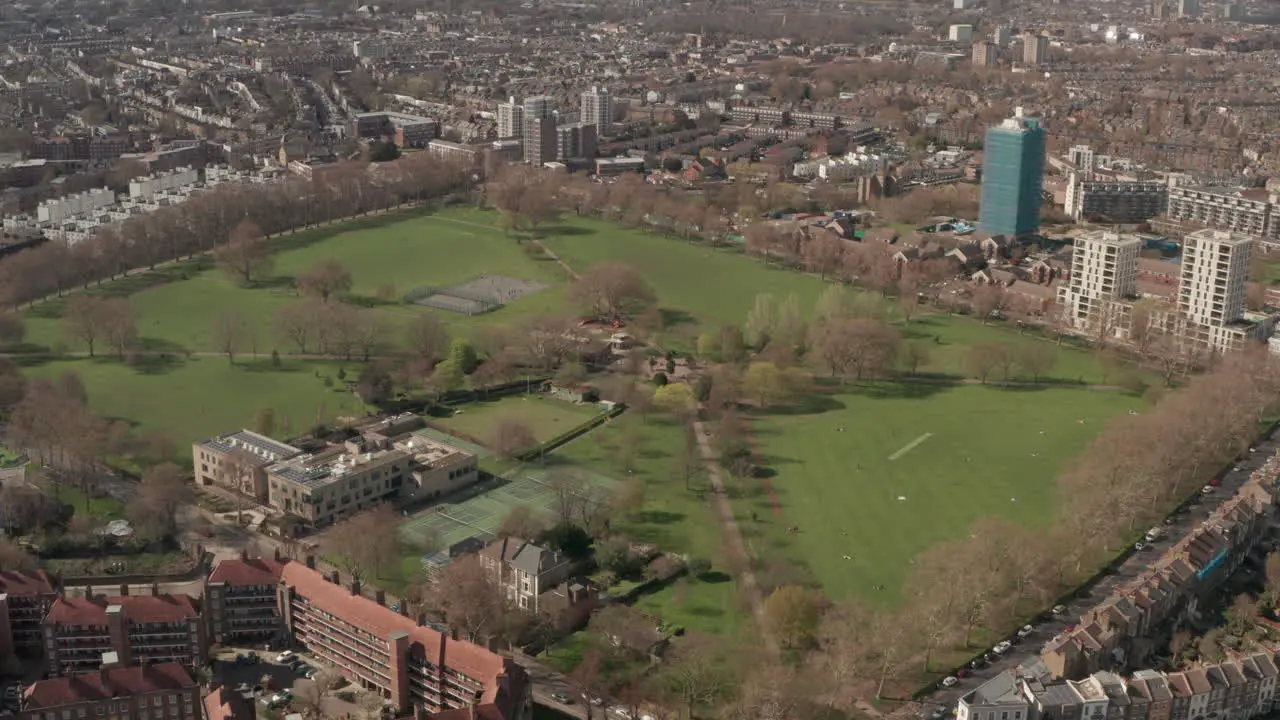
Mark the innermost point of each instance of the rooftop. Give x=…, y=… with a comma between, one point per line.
x=137, y=608
x=106, y=684
x=1002, y=688
x=259, y=446
x=431, y=453
x=25, y=582
x=247, y=571
x=330, y=465
x=1226, y=237
x=1107, y=237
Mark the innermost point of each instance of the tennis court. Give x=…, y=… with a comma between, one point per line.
x=483, y=513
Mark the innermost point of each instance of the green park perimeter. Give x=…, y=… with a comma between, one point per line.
x=698, y=288
x=871, y=477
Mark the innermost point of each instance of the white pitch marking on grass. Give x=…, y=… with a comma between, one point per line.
x=910, y=446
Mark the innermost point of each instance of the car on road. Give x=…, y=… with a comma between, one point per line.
x=1059, y=609
x=594, y=701
x=280, y=699
x=1207, y=489
x=1025, y=630
x=1139, y=546
x=11, y=693
x=284, y=656
x=562, y=698
x=978, y=663
x=1002, y=647
x=949, y=681
x=1216, y=482
x=938, y=714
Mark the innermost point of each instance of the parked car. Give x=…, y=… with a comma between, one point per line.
x=1206, y=489
x=938, y=714
x=284, y=656
x=562, y=698
x=1139, y=546
x=1216, y=482
x=949, y=681
x=991, y=656
x=11, y=693
x=1059, y=609
x=1154, y=534
x=1002, y=647
x=963, y=673
x=978, y=663
x=1025, y=630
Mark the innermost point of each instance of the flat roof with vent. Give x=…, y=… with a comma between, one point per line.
x=253, y=444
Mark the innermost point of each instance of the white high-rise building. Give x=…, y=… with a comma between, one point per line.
x=510, y=119
x=1002, y=36
x=1104, y=268
x=597, y=109
x=1215, y=266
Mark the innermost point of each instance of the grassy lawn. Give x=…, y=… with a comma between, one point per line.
x=676, y=519
x=913, y=466
x=102, y=509
x=193, y=399
x=547, y=417
x=140, y=564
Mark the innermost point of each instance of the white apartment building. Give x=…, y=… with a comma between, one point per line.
x=597, y=109
x=538, y=107
x=1251, y=211
x=1081, y=156
x=1002, y=36
x=1104, y=268
x=372, y=49
x=1215, y=266
x=510, y=119
x=960, y=33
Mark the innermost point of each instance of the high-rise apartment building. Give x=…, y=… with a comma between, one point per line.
x=1035, y=49
x=510, y=119
x=597, y=109
x=536, y=108
x=1233, y=12
x=413, y=666
x=1012, y=176
x=1215, y=266
x=1189, y=9
x=540, y=140
x=576, y=140
x=1002, y=36
x=1116, y=202
x=1104, y=268
x=984, y=53
x=960, y=33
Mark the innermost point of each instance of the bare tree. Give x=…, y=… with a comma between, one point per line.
x=513, y=435
x=520, y=522
x=299, y=323
x=1036, y=359
x=427, y=338
x=230, y=333
x=856, y=347
x=362, y=542
x=988, y=299
x=119, y=324
x=82, y=320
x=983, y=358
x=568, y=492
x=469, y=596
x=247, y=254
x=324, y=279
x=613, y=290
x=162, y=492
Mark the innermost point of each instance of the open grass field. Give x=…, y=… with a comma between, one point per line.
x=874, y=477
x=675, y=518
x=193, y=399
x=547, y=417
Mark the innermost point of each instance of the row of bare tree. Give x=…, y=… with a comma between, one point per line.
x=211, y=219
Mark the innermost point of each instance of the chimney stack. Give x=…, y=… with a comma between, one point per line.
x=380, y=596
x=422, y=619
x=311, y=562
x=155, y=589
x=276, y=554
x=88, y=591
x=404, y=607
x=355, y=586
x=124, y=589
x=335, y=578
x=244, y=554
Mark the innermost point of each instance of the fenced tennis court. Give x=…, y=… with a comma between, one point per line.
x=482, y=513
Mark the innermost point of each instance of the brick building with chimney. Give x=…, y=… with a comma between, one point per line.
x=164, y=690
x=240, y=600
x=414, y=666
x=137, y=628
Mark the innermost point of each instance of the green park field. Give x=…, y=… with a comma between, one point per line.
x=547, y=417
x=872, y=478
x=983, y=445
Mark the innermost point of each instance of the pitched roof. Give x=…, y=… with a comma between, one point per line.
x=106, y=684
x=523, y=555
x=26, y=582
x=467, y=658
x=138, y=608
x=224, y=704
x=248, y=571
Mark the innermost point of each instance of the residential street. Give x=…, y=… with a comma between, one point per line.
x=1133, y=566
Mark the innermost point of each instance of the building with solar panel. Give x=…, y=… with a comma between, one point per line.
x=238, y=461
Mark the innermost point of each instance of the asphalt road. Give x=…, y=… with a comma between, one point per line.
x=1133, y=566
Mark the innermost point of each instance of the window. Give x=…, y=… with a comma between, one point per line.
x=173, y=699
x=1004, y=715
